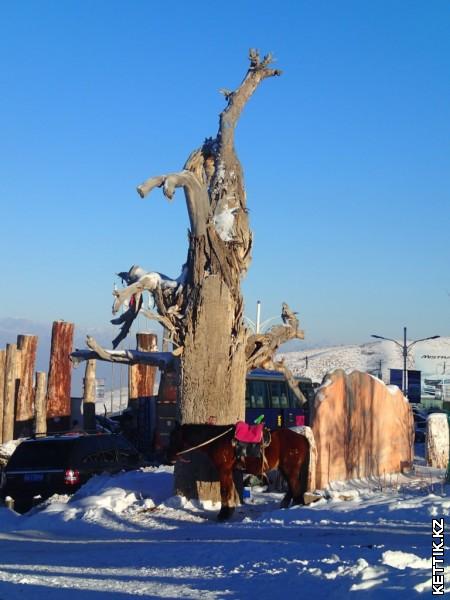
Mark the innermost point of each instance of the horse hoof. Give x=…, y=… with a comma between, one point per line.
x=225, y=513
x=286, y=501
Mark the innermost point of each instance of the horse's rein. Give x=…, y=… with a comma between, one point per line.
x=205, y=443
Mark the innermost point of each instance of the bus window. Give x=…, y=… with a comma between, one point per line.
x=295, y=402
x=307, y=389
x=308, y=392
x=256, y=394
x=278, y=394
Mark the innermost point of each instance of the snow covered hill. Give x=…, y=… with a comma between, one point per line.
x=430, y=356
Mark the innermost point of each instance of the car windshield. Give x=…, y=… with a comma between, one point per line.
x=51, y=454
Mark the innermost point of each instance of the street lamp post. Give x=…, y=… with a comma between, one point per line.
x=257, y=326
x=258, y=315
x=405, y=349
x=261, y=326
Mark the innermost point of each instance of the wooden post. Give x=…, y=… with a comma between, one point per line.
x=59, y=376
x=27, y=346
x=10, y=392
x=89, y=397
x=141, y=378
x=40, y=404
x=165, y=340
x=2, y=390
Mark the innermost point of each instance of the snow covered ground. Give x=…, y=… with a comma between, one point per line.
x=126, y=535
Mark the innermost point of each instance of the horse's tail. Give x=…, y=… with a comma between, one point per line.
x=305, y=472
x=308, y=470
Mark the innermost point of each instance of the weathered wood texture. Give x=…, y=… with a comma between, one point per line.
x=60, y=370
x=261, y=348
x=362, y=428
x=89, y=396
x=160, y=360
x=27, y=346
x=205, y=310
x=165, y=340
x=437, y=441
x=210, y=372
x=202, y=308
x=40, y=403
x=141, y=378
x=2, y=390
x=11, y=372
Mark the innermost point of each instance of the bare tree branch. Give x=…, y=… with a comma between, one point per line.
x=237, y=100
x=162, y=360
x=195, y=191
x=127, y=318
x=163, y=320
x=151, y=282
x=261, y=348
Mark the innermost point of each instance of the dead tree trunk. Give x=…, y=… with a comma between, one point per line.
x=40, y=403
x=2, y=390
x=207, y=313
x=10, y=392
x=59, y=376
x=141, y=378
x=202, y=309
x=27, y=346
x=205, y=310
x=89, y=397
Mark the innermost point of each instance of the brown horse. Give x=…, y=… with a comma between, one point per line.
x=288, y=452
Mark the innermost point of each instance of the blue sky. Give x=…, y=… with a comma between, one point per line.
x=346, y=156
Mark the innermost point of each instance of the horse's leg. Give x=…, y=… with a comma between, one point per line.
x=288, y=496
x=226, y=494
x=294, y=484
x=286, y=500
x=238, y=480
x=292, y=478
x=303, y=480
x=298, y=479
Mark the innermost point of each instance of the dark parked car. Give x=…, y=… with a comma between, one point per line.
x=41, y=467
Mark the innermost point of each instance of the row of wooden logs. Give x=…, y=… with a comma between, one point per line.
x=31, y=403
x=26, y=399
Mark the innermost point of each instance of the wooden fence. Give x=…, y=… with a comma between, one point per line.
x=27, y=404
x=32, y=403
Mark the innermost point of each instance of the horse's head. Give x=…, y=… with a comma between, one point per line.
x=177, y=443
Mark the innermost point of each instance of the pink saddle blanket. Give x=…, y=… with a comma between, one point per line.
x=250, y=434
